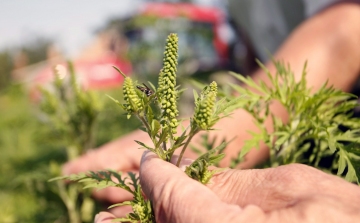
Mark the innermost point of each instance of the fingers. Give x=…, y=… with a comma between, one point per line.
x=121, y=211
x=269, y=189
x=274, y=188
x=104, y=158
x=104, y=217
x=113, y=195
x=178, y=198
x=317, y=208
x=120, y=154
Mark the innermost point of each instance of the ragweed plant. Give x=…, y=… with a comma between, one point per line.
x=72, y=114
x=162, y=125
x=320, y=125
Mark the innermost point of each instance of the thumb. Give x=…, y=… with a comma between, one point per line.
x=178, y=198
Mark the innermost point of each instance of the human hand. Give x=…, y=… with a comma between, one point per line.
x=291, y=193
x=120, y=155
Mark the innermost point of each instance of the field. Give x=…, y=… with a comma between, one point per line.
x=31, y=151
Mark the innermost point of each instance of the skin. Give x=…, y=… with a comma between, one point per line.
x=291, y=193
x=329, y=42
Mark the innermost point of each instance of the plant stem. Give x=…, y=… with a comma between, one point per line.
x=69, y=202
x=191, y=135
x=143, y=120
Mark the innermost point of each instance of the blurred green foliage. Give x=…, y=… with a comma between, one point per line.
x=28, y=148
x=36, y=49
x=6, y=65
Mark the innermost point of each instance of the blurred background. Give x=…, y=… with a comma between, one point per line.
x=95, y=35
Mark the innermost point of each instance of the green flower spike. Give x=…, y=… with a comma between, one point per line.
x=204, y=107
x=167, y=84
x=131, y=97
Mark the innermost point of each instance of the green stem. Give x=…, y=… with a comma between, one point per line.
x=191, y=135
x=143, y=120
x=89, y=141
x=74, y=215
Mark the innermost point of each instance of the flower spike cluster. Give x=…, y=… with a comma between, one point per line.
x=131, y=97
x=167, y=84
x=204, y=107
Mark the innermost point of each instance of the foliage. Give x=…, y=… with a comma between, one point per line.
x=71, y=111
x=319, y=125
x=161, y=124
x=72, y=114
x=29, y=147
x=36, y=49
x=103, y=179
x=6, y=65
x=26, y=148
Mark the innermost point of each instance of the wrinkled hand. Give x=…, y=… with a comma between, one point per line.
x=292, y=193
x=120, y=155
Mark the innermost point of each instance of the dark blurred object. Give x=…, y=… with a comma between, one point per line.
x=207, y=41
x=6, y=66
x=13, y=58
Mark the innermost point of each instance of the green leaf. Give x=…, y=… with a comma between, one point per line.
x=125, y=203
x=254, y=142
x=248, y=81
x=342, y=162
x=163, y=136
x=155, y=127
x=282, y=137
x=118, y=70
x=196, y=96
x=144, y=145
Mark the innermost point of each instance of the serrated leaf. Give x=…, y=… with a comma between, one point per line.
x=162, y=138
x=254, y=142
x=351, y=174
x=125, y=203
x=58, y=178
x=281, y=139
x=248, y=81
x=341, y=163
x=216, y=158
x=144, y=145
x=134, y=180
x=100, y=185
